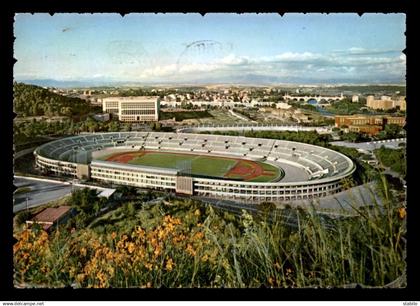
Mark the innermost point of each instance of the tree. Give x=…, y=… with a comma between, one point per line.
x=355, y=137
x=31, y=100
x=71, y=127
x=155, y=126
x=66, y=111
x=394, y=159
x=392, y=130
x=266, y=208
x=381, y=135
x=113, y=126
x=347, y=183
x=127, y=127
x=129, y=209
x=22, y=216
x=128, y=191
x=83, y=200
x=48, y=110
x=91, y=125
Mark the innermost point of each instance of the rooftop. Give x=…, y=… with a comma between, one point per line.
x=132, y=98
x=51, y=214
x=106, y=193
x=361, y=116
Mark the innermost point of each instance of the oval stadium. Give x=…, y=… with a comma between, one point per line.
x=250, y=170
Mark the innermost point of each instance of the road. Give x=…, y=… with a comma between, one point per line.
x=30, y=150
x=41, y=193
x=240, y=116
x=372, y=145
x=24, y=152
x=342, y=203
x=395, y=174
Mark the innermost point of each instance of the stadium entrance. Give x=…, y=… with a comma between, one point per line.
x=184, y=185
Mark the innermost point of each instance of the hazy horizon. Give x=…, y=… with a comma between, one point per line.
x=253, y=49
x=92, y=84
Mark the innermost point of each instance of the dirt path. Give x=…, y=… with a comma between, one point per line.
x=246, y=169
x=124, y=157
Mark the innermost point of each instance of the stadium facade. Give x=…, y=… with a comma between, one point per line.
x=310, y=171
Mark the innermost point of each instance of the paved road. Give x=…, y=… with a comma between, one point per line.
x=41, y=193
x=24, y=152
x=344, y=201
x=337, y=205
x=372, y=145
x=395, y=174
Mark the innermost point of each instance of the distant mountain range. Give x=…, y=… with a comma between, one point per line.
x=70, y=83
x=246, y=79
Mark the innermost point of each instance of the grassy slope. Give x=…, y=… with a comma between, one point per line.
x=184, y=243
x=179, y=116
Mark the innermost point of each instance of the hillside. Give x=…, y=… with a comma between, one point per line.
x=31, y=100
x=152, y=241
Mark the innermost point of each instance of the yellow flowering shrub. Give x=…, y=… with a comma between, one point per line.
x=191, y=247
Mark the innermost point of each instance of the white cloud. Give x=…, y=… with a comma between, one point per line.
x=290, y=64
x=298, y=57
x=403, y=58
x=354, y=63
x=232, y=59
x=356, y=49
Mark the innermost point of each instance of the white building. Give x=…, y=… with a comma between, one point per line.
x=355, y=98
x=133, y=109
x=283, y=105
x=261, y=103
x=202, y=103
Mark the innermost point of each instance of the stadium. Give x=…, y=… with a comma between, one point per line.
x=250, y=170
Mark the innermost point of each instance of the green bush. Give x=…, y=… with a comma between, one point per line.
x=394, y=159
x=22, y=216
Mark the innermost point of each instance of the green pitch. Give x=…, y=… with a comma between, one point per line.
x=200, y=165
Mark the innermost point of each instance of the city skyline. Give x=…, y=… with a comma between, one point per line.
x=216, y=48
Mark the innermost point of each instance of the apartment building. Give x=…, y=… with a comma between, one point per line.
x=367, y=124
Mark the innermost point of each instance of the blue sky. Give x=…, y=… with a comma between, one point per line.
x=163, y=48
